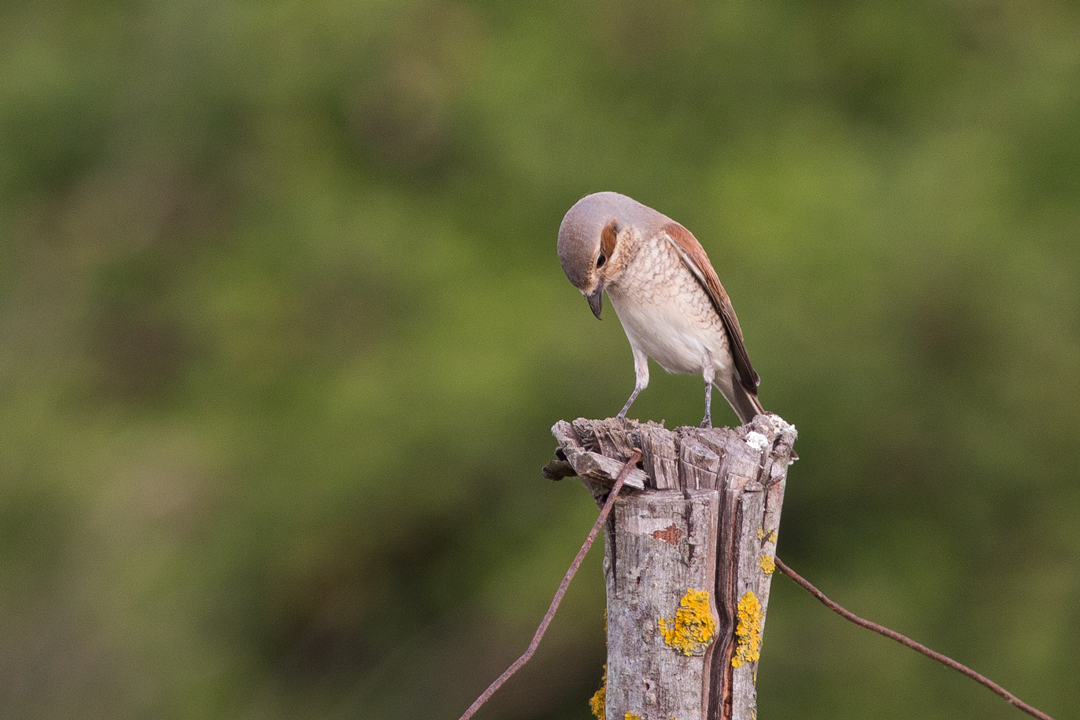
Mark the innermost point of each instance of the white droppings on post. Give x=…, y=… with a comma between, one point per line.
x=756, y=440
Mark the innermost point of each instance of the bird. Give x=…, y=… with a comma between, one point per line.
x=665, y=292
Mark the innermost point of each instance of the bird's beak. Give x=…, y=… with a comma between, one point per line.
x=596, y=300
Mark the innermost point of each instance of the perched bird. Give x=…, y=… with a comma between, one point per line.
x=666, y=293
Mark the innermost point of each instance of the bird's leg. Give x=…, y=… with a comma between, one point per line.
x=641, y=372
x=708, y=372
x=633, y=397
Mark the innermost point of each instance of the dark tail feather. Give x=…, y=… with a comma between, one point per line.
x=745, y=404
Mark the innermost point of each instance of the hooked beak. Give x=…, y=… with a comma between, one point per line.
x=596, y=300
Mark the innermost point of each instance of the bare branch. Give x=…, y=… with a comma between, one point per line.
x=631, y=464
x=908, y=642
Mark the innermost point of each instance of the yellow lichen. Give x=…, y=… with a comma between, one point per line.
x=760, y=533
x=747, y=631
x=693, y=626
x=772, y=537
x=598, y=702
x=768, y=564
x=631, y=716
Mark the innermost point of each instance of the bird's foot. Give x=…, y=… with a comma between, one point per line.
x=706, y=423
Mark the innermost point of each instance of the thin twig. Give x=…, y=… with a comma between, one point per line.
x=904, y=640
x=630, y=463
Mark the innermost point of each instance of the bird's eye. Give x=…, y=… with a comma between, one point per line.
x=601, y=260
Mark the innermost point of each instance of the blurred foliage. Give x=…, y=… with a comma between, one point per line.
x=282, y=332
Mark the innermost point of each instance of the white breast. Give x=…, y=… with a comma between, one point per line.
x=667, y=314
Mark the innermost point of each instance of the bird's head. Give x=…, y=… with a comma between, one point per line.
x=594, y=241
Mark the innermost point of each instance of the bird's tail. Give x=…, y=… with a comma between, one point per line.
x=745, y=403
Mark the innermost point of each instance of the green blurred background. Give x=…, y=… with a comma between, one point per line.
x=283, y=331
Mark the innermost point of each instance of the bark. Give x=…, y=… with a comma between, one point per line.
x=688, y=559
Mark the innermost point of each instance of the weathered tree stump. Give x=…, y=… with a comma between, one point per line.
x=688, y=559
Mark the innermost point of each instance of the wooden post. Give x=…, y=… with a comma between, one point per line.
x=688, y=559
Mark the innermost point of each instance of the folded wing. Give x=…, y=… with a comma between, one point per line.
x=694, y=256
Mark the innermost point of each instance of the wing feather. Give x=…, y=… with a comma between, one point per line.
x=694, y=256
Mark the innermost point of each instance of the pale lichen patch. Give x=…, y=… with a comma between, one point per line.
x=693, y=627
x=748, y=631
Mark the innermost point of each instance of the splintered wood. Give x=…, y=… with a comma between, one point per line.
x=688, y=559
